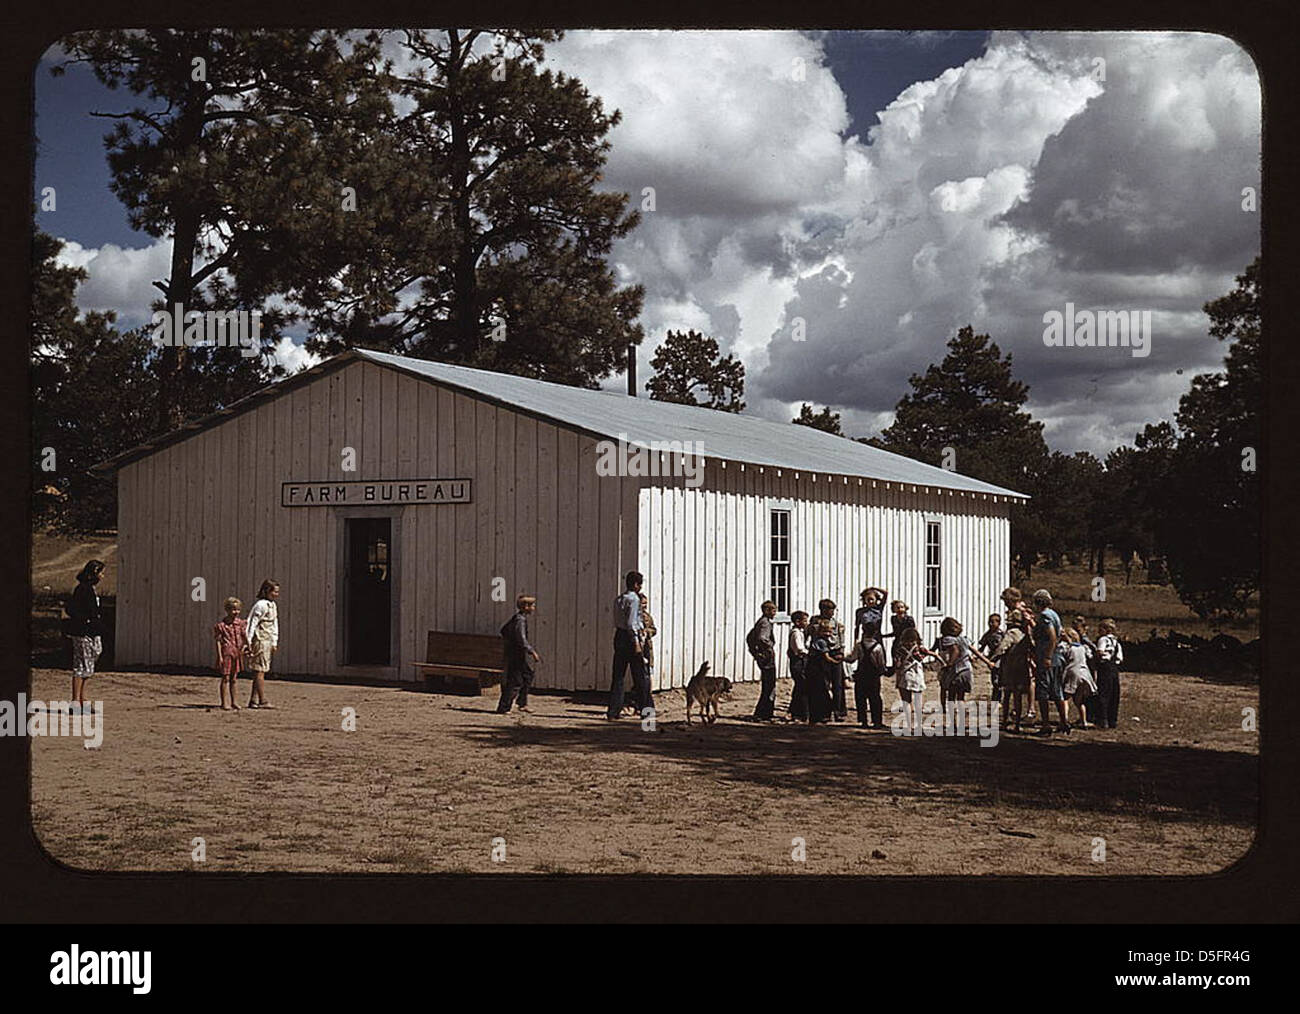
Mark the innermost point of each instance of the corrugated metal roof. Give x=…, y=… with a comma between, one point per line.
x=743, y=438
x=722, y=435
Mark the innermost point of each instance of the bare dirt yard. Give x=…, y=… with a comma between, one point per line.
x=427, y=781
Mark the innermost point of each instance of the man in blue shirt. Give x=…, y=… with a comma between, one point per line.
x=1050, y=660
x=627, y=649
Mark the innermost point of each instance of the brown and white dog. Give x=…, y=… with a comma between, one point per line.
x=706, y=690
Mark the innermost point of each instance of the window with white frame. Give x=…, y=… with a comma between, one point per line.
x=778, y=526
x=932, y=567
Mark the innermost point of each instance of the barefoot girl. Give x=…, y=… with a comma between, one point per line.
x=231, y=638
x=909, y=675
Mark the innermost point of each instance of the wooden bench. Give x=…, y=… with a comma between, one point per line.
x=462, y=663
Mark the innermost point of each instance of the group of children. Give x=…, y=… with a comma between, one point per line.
x=817, y=653
x=1036, y=656
x=1033, y=655
x=247, y=645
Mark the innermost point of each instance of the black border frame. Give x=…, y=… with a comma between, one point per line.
x=1260, y=888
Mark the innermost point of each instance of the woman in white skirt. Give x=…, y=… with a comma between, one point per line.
x=263, y=639
x=1077, y=683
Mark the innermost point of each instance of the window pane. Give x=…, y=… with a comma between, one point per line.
x=779, y=548
x=932, y=565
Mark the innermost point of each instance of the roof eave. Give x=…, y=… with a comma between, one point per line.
x=273, y=390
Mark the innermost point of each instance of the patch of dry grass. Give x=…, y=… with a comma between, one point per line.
x=1136, y=608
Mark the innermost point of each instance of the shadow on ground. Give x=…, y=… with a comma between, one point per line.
x=1164, y=782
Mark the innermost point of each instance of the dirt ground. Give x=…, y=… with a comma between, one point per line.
x=427, y=781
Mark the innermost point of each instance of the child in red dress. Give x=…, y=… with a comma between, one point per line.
x=231, y=638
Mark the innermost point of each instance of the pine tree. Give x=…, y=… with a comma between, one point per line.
x=825, y=420
x=494, y=230
x=1210, y=523
x=688, y=362
x=971, y=403
x=238, y=150
x=969, y=410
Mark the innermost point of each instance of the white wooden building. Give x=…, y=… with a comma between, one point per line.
x=467, y=488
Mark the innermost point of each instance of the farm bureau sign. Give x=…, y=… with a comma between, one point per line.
x=370, y=492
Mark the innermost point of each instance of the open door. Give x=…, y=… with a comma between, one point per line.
x=369, y=591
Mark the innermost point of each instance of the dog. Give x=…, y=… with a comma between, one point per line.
x=706, y=690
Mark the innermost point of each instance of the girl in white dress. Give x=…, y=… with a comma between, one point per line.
x=909, y=675
x=263, y=639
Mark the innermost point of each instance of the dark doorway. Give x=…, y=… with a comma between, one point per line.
x=369, y=591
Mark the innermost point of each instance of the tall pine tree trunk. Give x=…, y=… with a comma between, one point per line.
x=185, y=234
x=171, y=364
x=464, y=273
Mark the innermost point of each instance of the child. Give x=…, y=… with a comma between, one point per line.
x=1013, y=599
x=1110, y=655
x=989, y=643
x=834, y=673
x=1092, y=705
x=955, y=652
x=231, y=639
x=520, y=656
x=900, y=619
x=648, y=631
x=797, y=652
x=867, y=621
x=1014, y=656
x=824, y=659
x=909, y=674
x=872, y=661
x=1077, y=682
x=263, y=639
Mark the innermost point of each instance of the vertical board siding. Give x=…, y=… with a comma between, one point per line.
x=565, y=601
x=843, y=536
x=541, y=519
x=591, y=628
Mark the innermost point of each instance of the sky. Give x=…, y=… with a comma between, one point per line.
x=833, y=207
